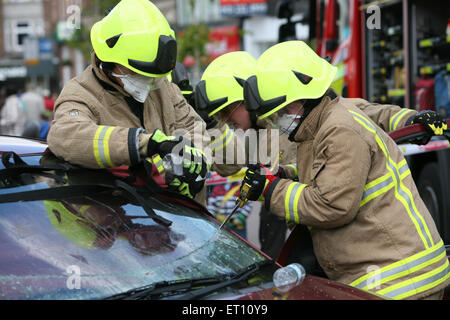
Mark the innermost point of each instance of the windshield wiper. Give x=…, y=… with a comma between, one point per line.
x=164, y=288
x=171, y=288
x=243, y=275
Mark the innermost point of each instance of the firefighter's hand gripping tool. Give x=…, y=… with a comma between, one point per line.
x=242, y=199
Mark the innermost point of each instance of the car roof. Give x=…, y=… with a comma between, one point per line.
x=22, y=145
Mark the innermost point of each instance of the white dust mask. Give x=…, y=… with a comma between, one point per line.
x=139, y=86
x=286, y=123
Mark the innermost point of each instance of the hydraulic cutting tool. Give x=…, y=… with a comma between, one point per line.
x=242, y=199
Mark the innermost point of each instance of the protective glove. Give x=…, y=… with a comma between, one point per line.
x=186, y=186
x=194, y=160
x=161, y=144
x=259, y=178
x=281, y=173
x=433, y=122
x=194, y=164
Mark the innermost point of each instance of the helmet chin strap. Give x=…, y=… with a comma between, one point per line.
x=294, y=118
x=309, y=105
x=108, y=70
x=254, y=120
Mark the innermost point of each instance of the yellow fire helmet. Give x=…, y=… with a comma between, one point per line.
x=71, y=226
x=223, y=81
x=287, y=72
x=136, y=35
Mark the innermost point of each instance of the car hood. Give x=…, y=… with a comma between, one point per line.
x=312, y=288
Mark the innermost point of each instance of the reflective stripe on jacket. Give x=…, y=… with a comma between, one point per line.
x=370, y=228
x=388, y=117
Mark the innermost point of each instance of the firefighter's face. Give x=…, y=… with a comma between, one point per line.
x=238, y=117
x=295, y=107
x=119, y=69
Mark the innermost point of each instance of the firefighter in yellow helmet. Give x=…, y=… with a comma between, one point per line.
x=220, y=91
x=220, y=97
x=122, y=109
x=370, y=228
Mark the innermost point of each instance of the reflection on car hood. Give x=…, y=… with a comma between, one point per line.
x=312, y=288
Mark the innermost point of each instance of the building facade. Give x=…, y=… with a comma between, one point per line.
x=34, y=33
x=169, y=9
x=27, y=51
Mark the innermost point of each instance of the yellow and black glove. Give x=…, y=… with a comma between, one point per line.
x=259, y=178
x=191, y=178
x=433, y=122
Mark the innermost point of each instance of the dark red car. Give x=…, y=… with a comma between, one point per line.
x=74, y=233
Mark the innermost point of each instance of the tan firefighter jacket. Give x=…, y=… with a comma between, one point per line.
x=387, y=117
x=98, y=125
x=369, y=226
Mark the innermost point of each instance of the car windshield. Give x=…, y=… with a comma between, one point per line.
x=96, y=245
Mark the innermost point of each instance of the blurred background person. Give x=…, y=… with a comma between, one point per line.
x=47, y=116
x=12, y=118
x=49, y=104
x=2, y=95
x=34, y=108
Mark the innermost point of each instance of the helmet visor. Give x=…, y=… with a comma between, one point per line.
x=225, y=114
x=254, y=101
x=165, y=58
x=202, y=101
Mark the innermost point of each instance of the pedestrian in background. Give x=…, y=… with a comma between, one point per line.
x=2, y=95
x=49, y=104
x=12, y=118
x=34, y=108
x=47, y=116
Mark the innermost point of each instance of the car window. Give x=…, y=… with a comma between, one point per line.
x=98, y=245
